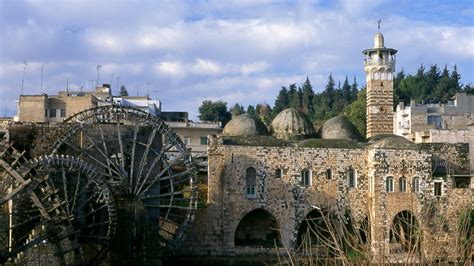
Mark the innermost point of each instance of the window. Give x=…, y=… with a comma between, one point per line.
x=416, y=184
x=403, y=184
x=278, y=173
x=63, y=112
x=250, y=182
x=46, y=112
x=434, y=120
x=437, y=189
x=389, y=184
x=351, y=176
x=203, y=141
x=328, y=174
x=187, y=140
x=306, y=178
x=52, y=112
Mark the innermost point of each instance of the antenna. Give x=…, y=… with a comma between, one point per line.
x=25, y=66
x=41, y=84
x=148, y=90
x=98, y=74
x=92, y=84
x=111, y=80
x=156, y=94
x=118, y=89
x=67, y=86
x=378, y=22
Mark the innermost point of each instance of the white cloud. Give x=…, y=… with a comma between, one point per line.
x=205, y=67
x=170, y=68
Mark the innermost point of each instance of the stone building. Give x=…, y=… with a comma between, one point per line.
x=404, y=200
x=56, y=108
x=434, y=123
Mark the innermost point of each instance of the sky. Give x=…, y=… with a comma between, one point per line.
x=236, y=51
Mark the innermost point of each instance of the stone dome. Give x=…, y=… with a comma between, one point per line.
x=391, y=141
x=291, y=124
x=339, y=127
x=245, y=125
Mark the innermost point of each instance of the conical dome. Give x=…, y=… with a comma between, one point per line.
x=245, y=125
x=339, y=127
x=291, y=124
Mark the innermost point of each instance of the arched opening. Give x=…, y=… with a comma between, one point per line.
x=314, y=233
x=258, y=228
x=364, y=231
x=405, y=234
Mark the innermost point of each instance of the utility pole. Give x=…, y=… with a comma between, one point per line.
x=92, y=84
x=156, y=94
x=98, y=74
x=25, y=66
x=41, y=84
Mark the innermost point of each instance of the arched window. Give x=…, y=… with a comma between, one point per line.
x=416, y=184
x=351, y=178
x=306, y=178
x=278, y=173
x=403, y=184
x=250, y=182
x=328, y=174
x=389, y=184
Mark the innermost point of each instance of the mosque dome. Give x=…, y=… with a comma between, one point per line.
x=391, y=141
x=339, y=127
x=245, y=125
x=291, y=124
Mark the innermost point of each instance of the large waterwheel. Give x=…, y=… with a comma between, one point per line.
x=59, y=210
x=150, y=170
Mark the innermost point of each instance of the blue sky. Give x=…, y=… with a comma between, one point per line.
x=236, y=51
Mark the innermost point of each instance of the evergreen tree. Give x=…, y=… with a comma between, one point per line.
x=294, y=95
x=237, y=110
x=307, y=99
x=346, y=91
x=355, y=112
x=443, y=91
x=282, y=101
x=329, y=92
x=354, y=90
x=123, y=91
x=455, y=80
x=251, y=110
x=431, y=80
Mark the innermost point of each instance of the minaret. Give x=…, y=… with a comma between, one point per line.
x=379, y=68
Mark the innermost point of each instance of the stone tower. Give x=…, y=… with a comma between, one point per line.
x=379, y=67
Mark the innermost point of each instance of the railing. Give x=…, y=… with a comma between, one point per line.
x=380, y=62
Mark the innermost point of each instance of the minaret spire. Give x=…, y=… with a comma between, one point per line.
x=378, y=22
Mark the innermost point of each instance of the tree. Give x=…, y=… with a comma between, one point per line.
x=264, y=112
x=443, y=89
x=294, y=95
x=214, y=111
x=251, y=110
x=455, y=80
x=237, y=110
x=355, y=112
x=346, y=91
x=330, y=91
x=281, y=102
x=123, y=91
x=354, y=90
x=307, y=99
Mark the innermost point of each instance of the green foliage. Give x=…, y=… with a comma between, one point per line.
x=264, y=113
x=123, y=91
x=251, y=110
x=281, y=102
x=214, y=111
x=237, y=110
x=355, y=112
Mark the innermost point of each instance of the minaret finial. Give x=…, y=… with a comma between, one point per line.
x=378, y=22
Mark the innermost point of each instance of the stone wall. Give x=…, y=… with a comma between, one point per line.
x=289, y=202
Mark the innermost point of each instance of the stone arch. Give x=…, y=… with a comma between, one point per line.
x=258, y=228
x=405, y=234
x=314, y=232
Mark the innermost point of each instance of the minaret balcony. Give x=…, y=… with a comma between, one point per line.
x=390, y=63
